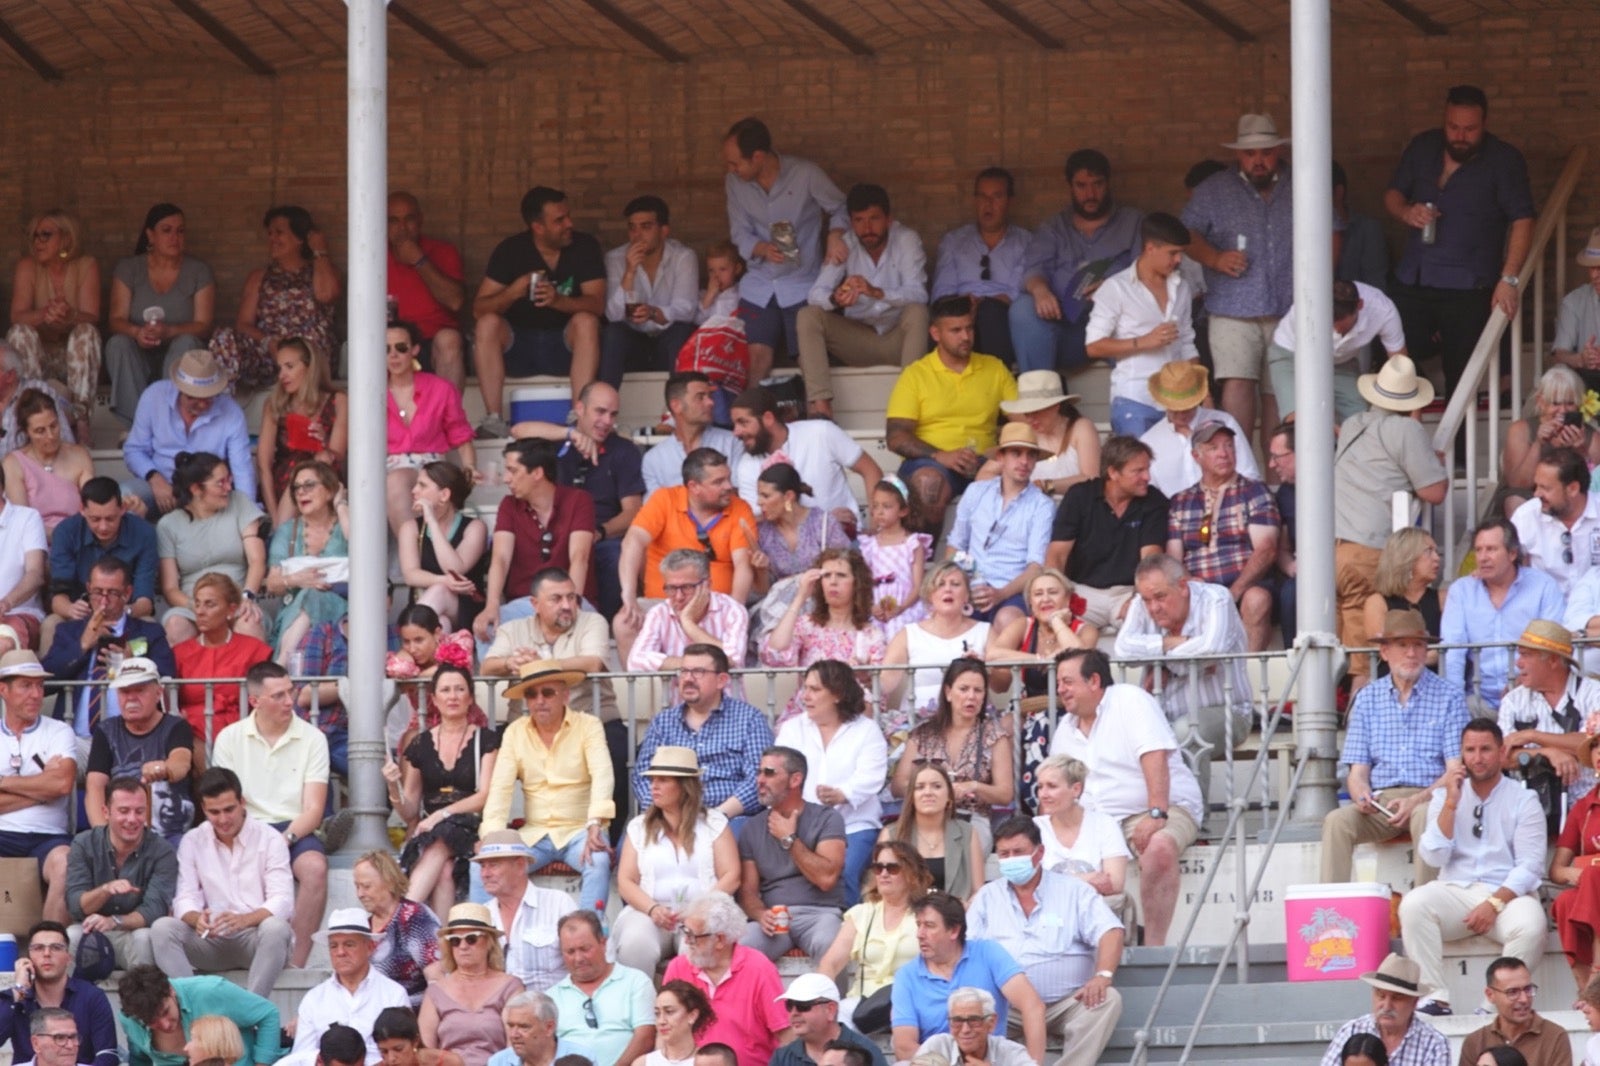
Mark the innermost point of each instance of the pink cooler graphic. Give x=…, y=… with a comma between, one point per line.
x=1335, y=932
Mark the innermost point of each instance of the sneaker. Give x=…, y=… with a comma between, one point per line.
x=1434, y=1008
x=336, y=830
x=493, y=427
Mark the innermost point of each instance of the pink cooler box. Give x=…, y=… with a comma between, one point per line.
x=1335, y=932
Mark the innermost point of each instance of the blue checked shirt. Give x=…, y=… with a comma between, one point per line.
x=1423, y=1045
x=1406, y=746
x=1003, y=537
x=1223, y=207
x=729, y=746
x=1470, y=617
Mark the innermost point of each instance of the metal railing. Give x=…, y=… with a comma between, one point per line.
x=1461, y=410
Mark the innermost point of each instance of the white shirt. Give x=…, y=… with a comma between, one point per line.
x=901, y=272
x=675, y=289
x=21, y=532
x=1377, y=318
x=1546, y=540
x=1583, y=603
x=663, y=462
x=1125, y=309
x=1129, y=724
x=1174, y=467
x=1002, y=1052
x=1099, y=838
x=855, y=762
x=25, y=755
x=331, y=1002
x=533, y=954
x=1213, y=627
x=1522, y=705
x=820, y=452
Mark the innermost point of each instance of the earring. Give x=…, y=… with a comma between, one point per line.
x=788, y=507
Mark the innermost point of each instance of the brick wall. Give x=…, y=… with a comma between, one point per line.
x=919, y=119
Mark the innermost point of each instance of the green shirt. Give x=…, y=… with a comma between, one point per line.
x=256, y=1018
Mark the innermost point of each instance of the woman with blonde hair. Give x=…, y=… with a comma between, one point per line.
x=408, y=954
x=305, y=418
x=1553, y=422
x=55, y=308
x=1085, y=844
x=461, y=1010
x=946, y=632
x=674, y=853
x=214, y=1040
x=1407, y=570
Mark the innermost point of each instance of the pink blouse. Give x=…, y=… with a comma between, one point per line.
x=812, y=643
x=439, y=424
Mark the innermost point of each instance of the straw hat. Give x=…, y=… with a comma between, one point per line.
x=1040, y=389
x=533, y=674
x=471, y=918
x=1398, y=974
x=1256, y=131
x=1406, y=624
x=349, y=920
x=1019, y=435
x=1181, y=385
x=197, y=374
x=21, y=663
x=1547, y=636
x=673, y=761
x=1589, y=257
x=502, y=844
x=1396, y=386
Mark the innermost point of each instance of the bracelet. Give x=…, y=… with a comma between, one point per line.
x=652, y=910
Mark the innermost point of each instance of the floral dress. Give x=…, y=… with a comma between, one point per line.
x=285, y=307
x=816, y=532
x=813, y=643
x=974, y=762
x=891, y=566
x=410, y=944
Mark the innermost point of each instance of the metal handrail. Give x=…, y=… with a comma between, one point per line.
x=1552, y=221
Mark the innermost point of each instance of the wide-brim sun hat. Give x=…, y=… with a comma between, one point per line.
x=1396, y=386
x=1180, y=386
x=1398, y=974
x=540, y=671
x=673, y=761
x=1036, y=391
x=1255, y=131
x=1551, y=637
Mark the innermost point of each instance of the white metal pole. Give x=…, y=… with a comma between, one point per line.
x=368, y=177
x=1315, y=720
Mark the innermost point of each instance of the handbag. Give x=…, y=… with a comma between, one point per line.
x=873, y=1012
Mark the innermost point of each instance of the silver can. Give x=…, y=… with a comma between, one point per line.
x=1430, y=231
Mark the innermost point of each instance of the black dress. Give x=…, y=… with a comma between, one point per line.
x=1427, y=606
x=440, y=788
x=467, y=607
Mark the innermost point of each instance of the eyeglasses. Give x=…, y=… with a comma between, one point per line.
x=589, y=1018
x=695, y=671
x=59, y=1039
x=1477, y=821
x=469, y=939
x=967, y=1021
x=704, y=537
x=306, y=486
x=107, y=594
x=692, y=936
x=44, y=235
x=801, y=1006
x=547, y=544
x=1518, y=993
x=1566, y=546
x=984, y=263
x=769, y=771
x=50, y=948
x=682, y=590
x=890, y=868
x=402, y=348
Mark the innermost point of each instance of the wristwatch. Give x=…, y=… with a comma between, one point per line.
x=786, y=842
x=1510, y=279
x=1496, y=902
x=1158, y=813
x=289, y=837
x=1107, y=974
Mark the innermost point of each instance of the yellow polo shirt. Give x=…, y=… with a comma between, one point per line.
x=564, y=785
x=953, y=410
x=273, y=776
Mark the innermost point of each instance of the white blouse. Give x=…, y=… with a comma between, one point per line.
x=856, y=762
x=666, y=873
x=1099, y=838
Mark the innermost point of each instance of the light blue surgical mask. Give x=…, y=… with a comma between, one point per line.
x=1018, y=869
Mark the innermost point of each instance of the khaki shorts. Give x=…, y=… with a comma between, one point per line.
x=1180, y=826
x=1239, y=348
x=1103, y=607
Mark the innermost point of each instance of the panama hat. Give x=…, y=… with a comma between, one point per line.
x=1019, y=435
x=1589, y=257
x=673, y=761
x=1546, y=636
x=1256, y=131
x=469, y=917
x=531, y=675
x=1396, y=386
x=502, y=844
x=348, y=920
x=1040, y=389
x=1403, y=624
x=21, y=663
x=1181, y=385
x=197, y=374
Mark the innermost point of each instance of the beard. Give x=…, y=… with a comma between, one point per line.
x=1461, y=151
x=1099, y=211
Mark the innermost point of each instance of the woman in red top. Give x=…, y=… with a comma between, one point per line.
x=1577, y=913
x=218, y=651
x=426, y=420
x=305, y=418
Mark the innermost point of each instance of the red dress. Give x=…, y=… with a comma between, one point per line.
x=1577, y=910
x=232, y=659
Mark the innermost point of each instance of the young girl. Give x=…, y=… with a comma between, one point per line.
x=895, y=556
x=724, y=268
x=305, y=417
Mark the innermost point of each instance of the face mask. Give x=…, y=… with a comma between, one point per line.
x=1018, y=869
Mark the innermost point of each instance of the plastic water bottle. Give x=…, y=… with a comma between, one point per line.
x=1430, y=232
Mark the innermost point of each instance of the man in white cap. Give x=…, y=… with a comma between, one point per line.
x=812, y=1000
x=1142, y=320
x=38, y=767
x=1241, y=228
x=1384, y=450
x=527, y=914
x=1002, y=529
x=189, y=412
x=1410, y=1041
x=355, y=993
x=146, y=743
x=1577, y=339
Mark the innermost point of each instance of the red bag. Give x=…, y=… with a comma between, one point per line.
x=719, y=350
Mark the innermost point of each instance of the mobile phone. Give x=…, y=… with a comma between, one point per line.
x=1573, y=418
x=1382, y=808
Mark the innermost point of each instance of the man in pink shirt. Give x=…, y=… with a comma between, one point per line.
x=235, y=893
x=741, y=983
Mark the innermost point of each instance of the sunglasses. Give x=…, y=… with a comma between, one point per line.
x=403, y=348
x=890, y=868
x=455, y=940
x=1477, y=821
x=547, y=544
x=306, y=486
x=704, y=537
x=963, y=1021
x=1566, y=546
x=984, y=273
x=801, y=1006
x=543, y=693
x=589, y=1018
